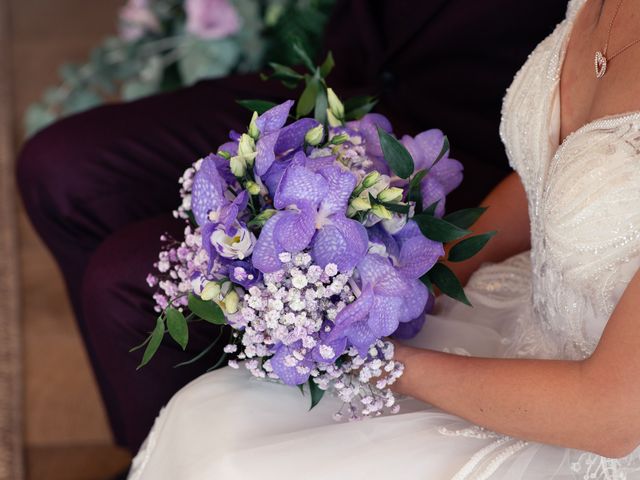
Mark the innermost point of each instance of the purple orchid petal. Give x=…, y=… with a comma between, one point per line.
x=341, y=184
x=408, y=330
x=338, y=346
x=352, y=313
x=230, y=147
x=361, y=336
x=206, y=231
x=230, y=212
x=414, y=304
x=418, y=254
x=294, y=230
x=289, y=375
x=384, y=316
x=300, y=185
x=274, y=118
x=266, y=155
x=430, y=145
x=368, y=128
x=449, y=173
x=244, y=273
x=272, y=177
x=208, y=190
x=342, y=241
x=377, y=234
x=292, y=136
x=265, y=253
x=317, y=164
x=385, y=279
x=432, y=191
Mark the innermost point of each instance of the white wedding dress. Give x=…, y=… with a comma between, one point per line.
x=584, y=198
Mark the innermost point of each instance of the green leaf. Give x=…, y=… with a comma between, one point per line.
x=316, y=393
x=327, y=66
x=304, y=56
x=207, y=310
x=396, y=207
x=322, y=103
x=154, y=343
x=259, y=106
x=203, y=352
x=425, y=279
x=282, y=72
x=443, y=278
x=414, y=194
x=468, y=247
x=443, y=151
x=357, y=107
x=308, y=98
x=177, y=326
x=465, y=218
x=396, y=155
x=438, y=229
x=431, y=209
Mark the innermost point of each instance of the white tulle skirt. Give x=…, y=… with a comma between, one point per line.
x=227, y=425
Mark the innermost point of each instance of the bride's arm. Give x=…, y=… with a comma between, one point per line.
x=590, y=405
x=508, y=215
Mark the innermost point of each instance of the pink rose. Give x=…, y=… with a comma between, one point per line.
x=136, y=18
x=211, y=18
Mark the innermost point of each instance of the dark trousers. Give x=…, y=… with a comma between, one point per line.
x=100, y=186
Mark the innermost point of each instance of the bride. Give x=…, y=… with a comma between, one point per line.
x=549, y=356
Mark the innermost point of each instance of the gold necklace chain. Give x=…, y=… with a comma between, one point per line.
x=601, y=59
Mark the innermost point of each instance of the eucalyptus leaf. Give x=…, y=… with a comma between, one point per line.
x=443, y=278
x=154, y=343
x=438, y=229
x=465, y=218
x=206, y=310
x=468, y=247
x=177, y=326
x=396, y=155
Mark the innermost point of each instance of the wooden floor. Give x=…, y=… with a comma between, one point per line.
x=66, y=432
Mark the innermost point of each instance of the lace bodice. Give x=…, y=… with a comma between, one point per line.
x=584, y=201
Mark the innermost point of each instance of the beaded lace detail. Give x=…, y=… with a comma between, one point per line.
x=583, y=196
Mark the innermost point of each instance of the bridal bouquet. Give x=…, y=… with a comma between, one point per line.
x=166, y=44
x=313, y=239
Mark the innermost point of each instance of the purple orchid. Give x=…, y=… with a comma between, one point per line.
x=444, y=176
x=392, y=293
x=312, y=206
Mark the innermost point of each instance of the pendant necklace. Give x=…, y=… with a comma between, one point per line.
x=602, y=60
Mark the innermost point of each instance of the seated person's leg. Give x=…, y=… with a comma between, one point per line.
x=89, y=175
x=118, y=308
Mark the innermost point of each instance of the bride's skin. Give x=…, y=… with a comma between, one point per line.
x=591, y=404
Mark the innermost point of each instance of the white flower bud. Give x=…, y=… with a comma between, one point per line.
x=252, y=187
x=381, y=212
x=231, y=302
x=254, y=131
x=211, y=291
x=333, y=120
x=393, y=194
x=246, y=146
x=238, y=166
x=370, y=179
x=314, y=136
x=335, y=105
x=360, y=204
